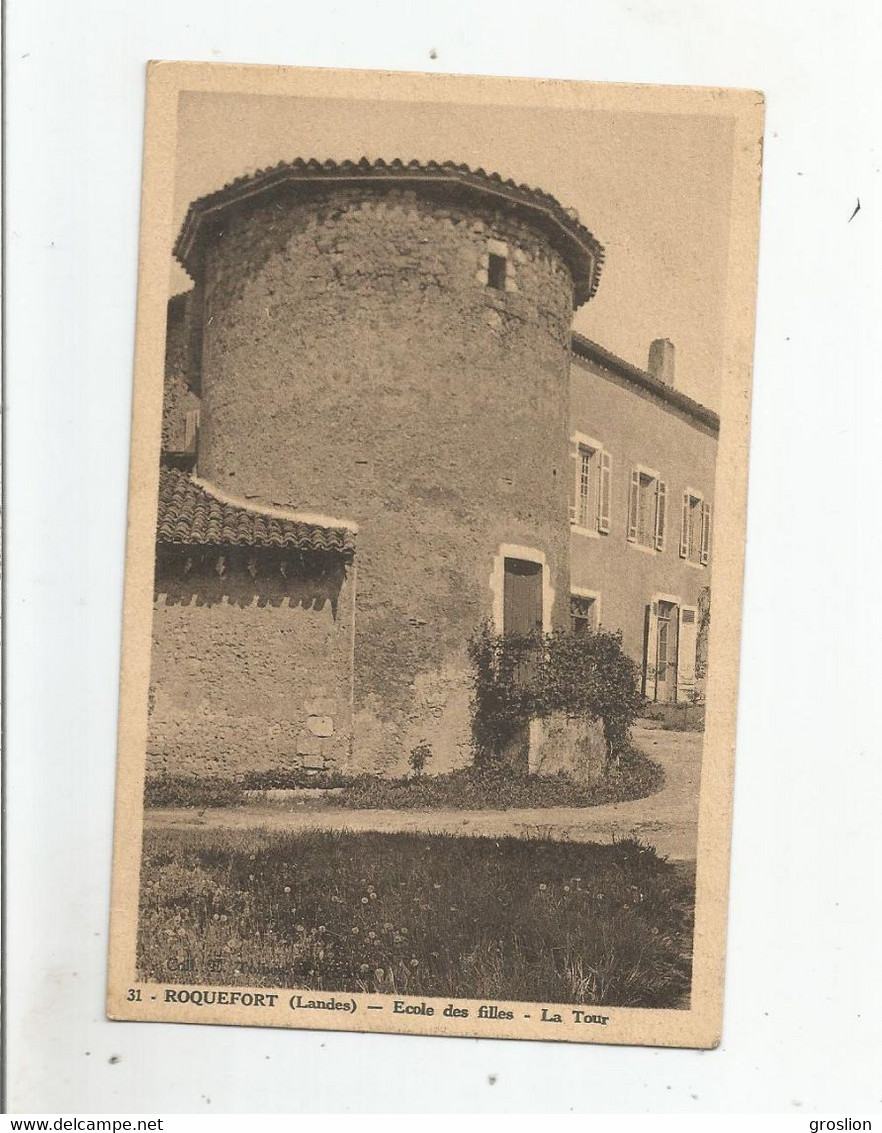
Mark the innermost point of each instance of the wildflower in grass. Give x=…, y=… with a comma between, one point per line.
x=372, y=936
x=373, y=896
x=379, y=973
x=414, y=963
x=388, y=926
x=542, y=887
x=300, y=928
x=566, y=889
x=404, y=932
x=355, y=930
x=363, y=967
x=364, y=900
x=287, y=888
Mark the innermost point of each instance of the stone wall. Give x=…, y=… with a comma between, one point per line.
x=563, y=745
x=356, y=363
x=249, y=674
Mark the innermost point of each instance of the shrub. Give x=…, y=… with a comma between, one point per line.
x=491, y=786
x=517, y=678
x=419, y=757
x=189, y=791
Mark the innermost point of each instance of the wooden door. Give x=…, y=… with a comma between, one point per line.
x=667, y=636
x=522, y=605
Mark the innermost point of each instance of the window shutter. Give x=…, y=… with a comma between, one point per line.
x=604, y=495
x=705, y=533
x=574, y=502
x=650, y=650
x=660, y=496
x=687, y=642
x=684, y=530
x=633, y=499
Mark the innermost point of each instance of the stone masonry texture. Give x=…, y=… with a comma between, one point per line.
x=350, y=359
x=356, y=363
x=249, y=675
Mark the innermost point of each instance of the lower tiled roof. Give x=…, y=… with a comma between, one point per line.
x=190, y=515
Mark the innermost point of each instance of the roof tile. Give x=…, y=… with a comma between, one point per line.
x=582, y=250
x=190, y=515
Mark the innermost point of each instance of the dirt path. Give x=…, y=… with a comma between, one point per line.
x=667, y=820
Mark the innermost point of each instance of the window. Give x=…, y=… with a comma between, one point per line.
x=695, y=529
x=590, y=510
x=646, y=509
x=583, y=613
x=496, y=270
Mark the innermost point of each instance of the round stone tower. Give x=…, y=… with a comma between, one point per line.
x=390, y=345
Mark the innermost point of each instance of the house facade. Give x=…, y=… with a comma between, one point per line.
x=379, y=433
x=644, y=463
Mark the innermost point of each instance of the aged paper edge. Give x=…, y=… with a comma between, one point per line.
x=701, y=1025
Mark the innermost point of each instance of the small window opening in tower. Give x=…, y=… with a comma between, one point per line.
x=496, y=271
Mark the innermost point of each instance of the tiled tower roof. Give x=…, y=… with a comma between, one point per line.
x=447, y=180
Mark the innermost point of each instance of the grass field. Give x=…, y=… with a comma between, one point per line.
x=436, y=915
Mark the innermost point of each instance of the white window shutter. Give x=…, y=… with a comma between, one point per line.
x=633, y=500
x=705, y=533
x=650, y=651
x=660, y=507
x=604, y=494
x=687, y=644
x=574, y=502
x=684, y=530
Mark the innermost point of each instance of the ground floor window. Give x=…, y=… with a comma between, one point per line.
x=584, y=609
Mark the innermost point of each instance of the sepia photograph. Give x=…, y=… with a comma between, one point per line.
x=436, y=535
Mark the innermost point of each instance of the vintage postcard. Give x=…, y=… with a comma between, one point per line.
x=435, y=548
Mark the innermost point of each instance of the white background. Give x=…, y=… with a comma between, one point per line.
x=803, y=1027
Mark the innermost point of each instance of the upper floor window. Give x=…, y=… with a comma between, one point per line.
x=496, y=270
x=495, y=266
x=647, y=509
x=695, y=528
x=590, y=509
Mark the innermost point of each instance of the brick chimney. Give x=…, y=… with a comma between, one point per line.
x=661, y=360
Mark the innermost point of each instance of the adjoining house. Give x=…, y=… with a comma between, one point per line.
x=379, y=432
x=644, y=463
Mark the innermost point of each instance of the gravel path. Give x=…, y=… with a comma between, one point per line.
x=667, y=820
